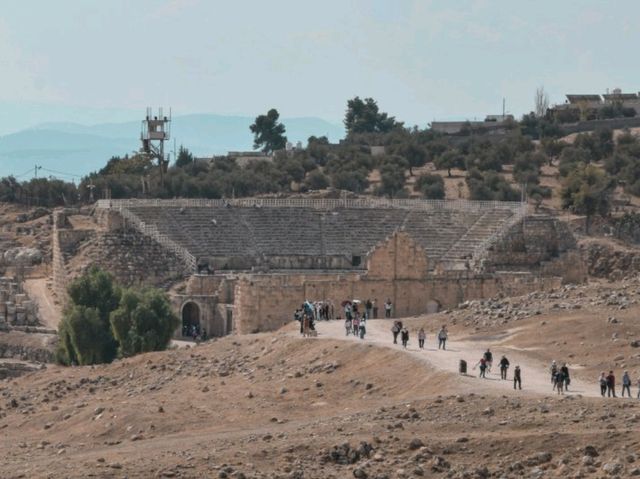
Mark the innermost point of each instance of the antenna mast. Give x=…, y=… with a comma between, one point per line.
x=156, y=129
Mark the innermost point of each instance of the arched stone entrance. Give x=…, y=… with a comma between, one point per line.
x=190, y=319
x=433, y=306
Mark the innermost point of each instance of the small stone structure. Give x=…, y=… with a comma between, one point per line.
x=245, y=265
x=16, y=309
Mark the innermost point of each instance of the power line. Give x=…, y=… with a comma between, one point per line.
x=60, y=173
x=24, y=174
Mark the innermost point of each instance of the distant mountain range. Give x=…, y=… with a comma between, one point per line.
x=76, y=149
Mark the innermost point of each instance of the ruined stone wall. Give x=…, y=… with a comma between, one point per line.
x=397, y=271
x=133, y=258
x=130, y=256
x=530, y=243
x=400, y=258
x=267, y=302
x=16, y=309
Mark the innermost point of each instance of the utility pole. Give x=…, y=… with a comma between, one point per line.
x=36, y=170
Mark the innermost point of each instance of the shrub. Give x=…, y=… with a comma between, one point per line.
x=143, y=321
x=102, y=320
x=317, y=180
x=431, y=186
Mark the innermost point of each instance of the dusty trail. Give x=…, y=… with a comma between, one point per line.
x=535, y=376
x=49, y=313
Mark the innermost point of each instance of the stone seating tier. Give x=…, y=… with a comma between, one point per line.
x=252, y=232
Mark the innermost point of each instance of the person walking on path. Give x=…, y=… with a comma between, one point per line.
x=363, y=328
x=504, y=365
x=517, y=378
x=482, y=364
x=626, y=383
x=387, y=308
x=565, y=375
x=356, y=325
x=611, y=385
x=395, y=329
x=374, y=304
x=554, y=370
x=488, y=357
x=559, y=385
x=603, y=383
x=421, y=337
x=405, y=337
x=347, y=326
x=442, y=338
x=369, y=307
x=306, y=325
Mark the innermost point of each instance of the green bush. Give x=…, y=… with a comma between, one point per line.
x=490, y=185
x=103, y=321
x=431, y=186
x=143, y=322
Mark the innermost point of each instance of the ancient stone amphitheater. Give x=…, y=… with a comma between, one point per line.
x=245, y=265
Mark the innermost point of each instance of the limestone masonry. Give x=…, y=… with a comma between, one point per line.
x=245, y=265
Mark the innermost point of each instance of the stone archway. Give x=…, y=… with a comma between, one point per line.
x=190, y=319
x=433, y=306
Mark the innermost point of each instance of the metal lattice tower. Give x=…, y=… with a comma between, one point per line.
x=156, y=129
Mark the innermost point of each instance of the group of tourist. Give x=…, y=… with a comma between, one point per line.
x=369, y=309
x=194, y=332
x=357, y=314
x=485, y=363
x=305, y=315
x=398, y=329
x=560, y=378
x=356, y=326
x=608, y=384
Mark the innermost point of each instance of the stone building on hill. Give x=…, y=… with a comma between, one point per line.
x=245, y=265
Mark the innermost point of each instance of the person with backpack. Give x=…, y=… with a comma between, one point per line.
x=395, y=329
x=626, y=383
x=611, y=385
x=421, y=338
x=363, y=328
x=559, y=384
x=603, y=383
x=442, y=337
x=565, y=375
x=488, y=357
x=405, y=337
x=348, y=326
x=517, y=377
x=504, y=366
x=482, y=364
x=348, y=311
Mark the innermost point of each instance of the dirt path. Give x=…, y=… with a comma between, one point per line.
x=535, y=376
x=48, y=312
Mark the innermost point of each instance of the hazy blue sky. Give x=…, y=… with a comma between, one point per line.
x=420, y=59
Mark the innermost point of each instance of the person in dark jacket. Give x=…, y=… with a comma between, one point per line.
x=626, y=383
x=488, y=357
x=517, y=378
x=504, y=365
x=565, y=376
x=404, y=335
x=395, y=330
x=611, y=385
x=482, y=364
x=559, y=385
